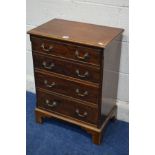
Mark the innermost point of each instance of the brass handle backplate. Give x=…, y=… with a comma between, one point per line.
x=81, y=94
x=85, y=114
x=51, y=104
x=49, y=85
x=48, y=67
x=84, y=57
x=86, y=74
x=46, y=49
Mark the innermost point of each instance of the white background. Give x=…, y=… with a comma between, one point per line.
x=13, y=78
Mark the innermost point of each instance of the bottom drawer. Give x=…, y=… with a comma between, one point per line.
x=67, y=107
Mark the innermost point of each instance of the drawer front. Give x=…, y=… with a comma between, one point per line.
x=75, y=70
x=60, y=105
x=67, y=87
x=65, y=50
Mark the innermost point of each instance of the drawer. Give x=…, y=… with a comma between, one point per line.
x=68, y=68
x=67, y=107
x=67, y=87
x=66, y=50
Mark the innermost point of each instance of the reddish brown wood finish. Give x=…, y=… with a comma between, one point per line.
x=58, y=104
x=68, y=56
x=67, y=87
x=66, y=50
x=65, y=67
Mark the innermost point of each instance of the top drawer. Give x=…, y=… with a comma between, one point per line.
x=66, y=50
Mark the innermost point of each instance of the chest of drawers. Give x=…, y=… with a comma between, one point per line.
x=70, y=73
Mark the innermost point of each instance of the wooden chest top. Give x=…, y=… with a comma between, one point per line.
x=77, y=32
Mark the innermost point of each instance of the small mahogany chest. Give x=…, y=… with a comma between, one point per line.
x=70, y=75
